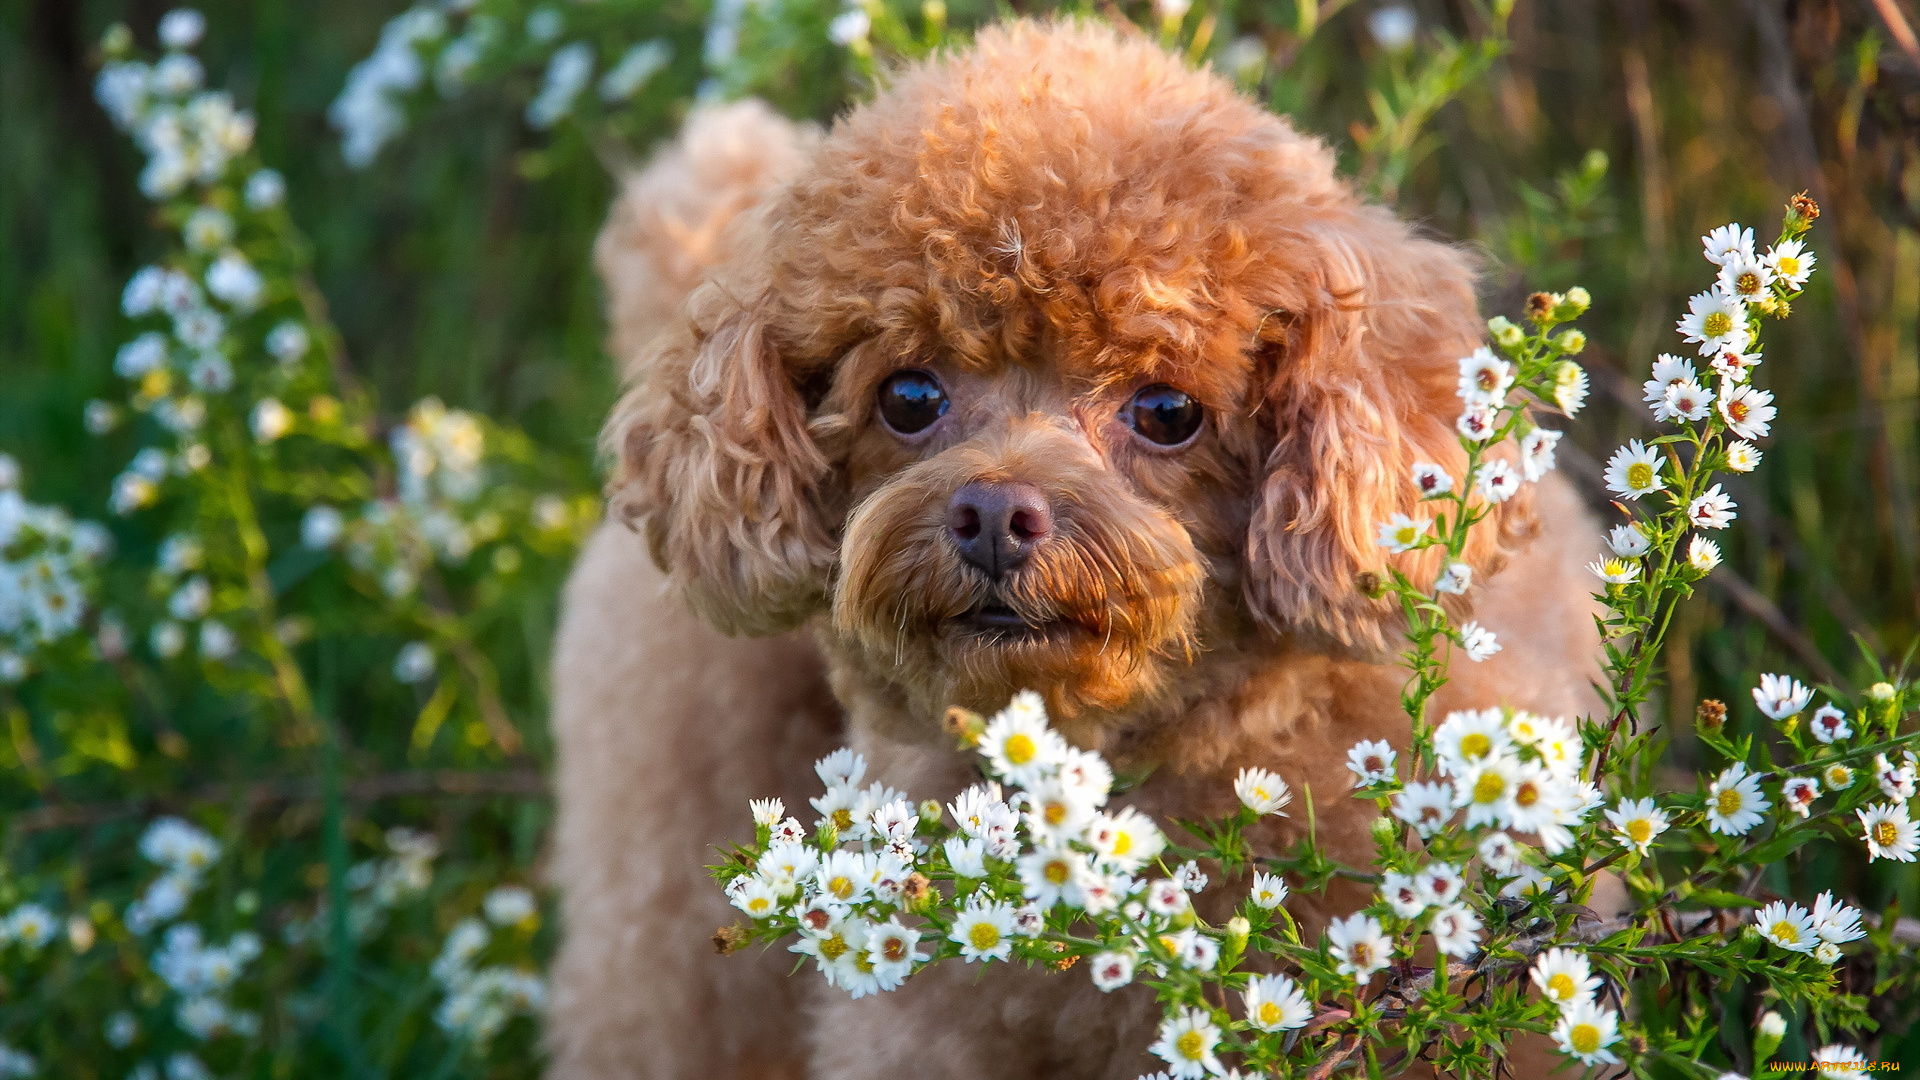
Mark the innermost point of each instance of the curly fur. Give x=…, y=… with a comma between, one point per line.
x=1048, y=221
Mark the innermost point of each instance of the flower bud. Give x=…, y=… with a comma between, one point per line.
x=1801, y=213
x=1505, y=334
x=1235, y=944
x=930, y=812
x=964, y=725
x=117, y=41
x=1711, y=716
x=1573, y=304
x=1540, y=306
x=1384, y=830
x=916, y=891
x=1571, y=342
x=1880, y=691
x=1768, y=1033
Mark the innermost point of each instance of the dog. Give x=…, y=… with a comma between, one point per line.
x=1059, y=365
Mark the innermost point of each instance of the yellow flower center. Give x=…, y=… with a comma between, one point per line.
x=1561, y=987
x=758, y=905
x=1192, y=1046
x=1122, y=843
x=1489, y=787
x=1885, y=833
x=1729, y=802
x=843, y=819
x=1020, y=749
x=1055, y=813
x=984, y=935
x=1784, y=933
x=833, y=948
x=1736, y=409
x=1640, y=830
x=1475, y=745
x=1269, y=1013
x=841, y=887
x=1584, y=1038
x=1747, y=283
x=1788, y=265
x=1717, y=324
x=1639, y=475
x=1057, y=872
x=1406, y=535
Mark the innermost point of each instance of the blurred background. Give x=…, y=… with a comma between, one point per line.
x=1582, y=143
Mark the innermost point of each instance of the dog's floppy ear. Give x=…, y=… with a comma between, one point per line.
x=717, y=469
x=1361, y=367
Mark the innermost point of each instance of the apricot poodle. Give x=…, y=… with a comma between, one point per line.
x=1059, y=365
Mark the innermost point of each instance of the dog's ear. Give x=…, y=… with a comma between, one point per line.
x=717, y=468
x=1360, y=361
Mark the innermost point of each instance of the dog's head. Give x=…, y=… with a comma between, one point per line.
x=1060, y=365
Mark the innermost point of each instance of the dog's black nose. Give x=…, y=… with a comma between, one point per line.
x=997, y=525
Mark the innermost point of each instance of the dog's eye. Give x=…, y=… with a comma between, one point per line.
x=911, y=401
x=1161, y=414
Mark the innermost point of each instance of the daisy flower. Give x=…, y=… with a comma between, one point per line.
x=967, y=856
x=1839, y=1060
x=1727, y=242
x=1018, y=744
x=1359, y=946
x=1798, y=794
x=1683, y=401
x=1275, y=1003
x=1585, y=1031
x=1484, y=378
x=1746, y=277
x=1269, y=891
x=1525, y=727
x=787, y=862
x=1186, y=1043
x=1570, y=387
x=1194, y=949
x=1781, y=696
x=1565, y=978
x=842, y=767
x=1425, y=805
x=1262, y=791
x=1456, y=930
x=1829, y=723
x=1896, y=782
x=1468, y=736
x=1703, y=554
x=1668, y=371
x=1050, y=876
x=1400, y=533
x=1402, y=894
x=1791, y=263
x=845, y=876
x=1537, y=452
x=1432, y=481
x=1110, y=970
x=1166, y=898
x=1500, y=853
x=1735, y=366
x=756, y=896
x=892, y=949
x=1496, y=481
x=1476, y=424
x=1125, y=841
x=1634, y=470
x=1714, y=321
x=1371, y=762
x=1712, y=509
x=1627, y=541
x=1836, y=921
x=1439, y=883
x=1057, y=814
x=1734, y=802
x=1536, y=801
x=1485, y=790
x=1455, y=579
x=1086, y=774
x=1827, y=952
x=1616, y=571
x=1027, y=921
x=1478, y=641
x=1748, y=410
x=1788, y=926
x=1189, y=877
x=767, y=812
x=1837, y=777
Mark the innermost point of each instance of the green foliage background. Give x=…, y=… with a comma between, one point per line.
x=457, y=266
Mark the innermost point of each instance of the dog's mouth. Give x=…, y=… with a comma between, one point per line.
x=994, y=623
